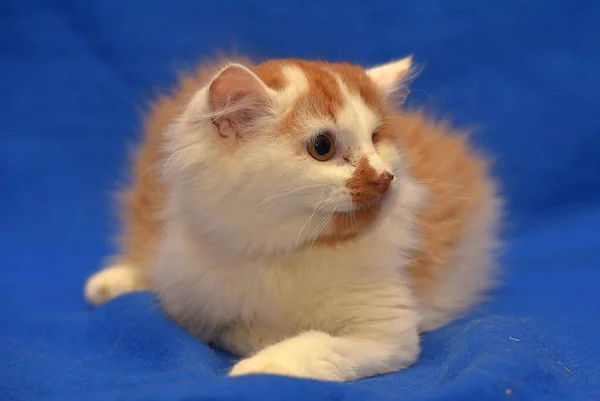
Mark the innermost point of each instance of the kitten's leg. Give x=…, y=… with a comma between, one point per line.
x=113, y=281
x=360, y=352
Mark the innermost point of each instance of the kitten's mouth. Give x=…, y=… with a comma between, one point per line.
x=374, y=203
x=348, y=223
x=357, y=204
x=369, y=205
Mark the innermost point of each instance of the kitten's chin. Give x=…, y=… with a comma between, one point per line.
x=345, y=226
x=377, y=203
x=348, y=205
x=352, y=222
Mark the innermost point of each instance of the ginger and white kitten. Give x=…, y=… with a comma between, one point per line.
x=290, y=213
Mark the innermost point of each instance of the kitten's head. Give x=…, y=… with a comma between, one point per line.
x=274, y=156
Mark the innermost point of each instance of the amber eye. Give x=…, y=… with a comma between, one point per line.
x=322, y=146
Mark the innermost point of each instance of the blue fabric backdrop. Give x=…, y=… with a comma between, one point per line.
x=76, y=75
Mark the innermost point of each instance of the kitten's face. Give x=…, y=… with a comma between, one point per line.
x=288, y=152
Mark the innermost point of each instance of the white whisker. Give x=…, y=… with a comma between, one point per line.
x=322, y=225
x=441, y=184
x=315, y=211
x=414, y=160
x=292, y=191
x=328, y=199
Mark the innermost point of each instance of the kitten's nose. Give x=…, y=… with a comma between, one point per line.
x=382, y=183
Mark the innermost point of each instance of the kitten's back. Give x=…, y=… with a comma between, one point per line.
x=454, y=266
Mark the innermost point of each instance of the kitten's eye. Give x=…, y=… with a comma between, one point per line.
x=322, y=146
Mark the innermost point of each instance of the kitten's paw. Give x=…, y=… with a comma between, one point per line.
x=285, y=365
x=256, y=365
x=112, y=282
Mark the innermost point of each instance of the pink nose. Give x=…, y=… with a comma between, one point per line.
x=382, y=183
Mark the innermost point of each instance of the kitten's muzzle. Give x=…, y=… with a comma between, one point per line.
x=382, y=183
x=372, y=191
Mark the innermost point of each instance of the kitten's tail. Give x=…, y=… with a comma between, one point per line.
x=113, y=281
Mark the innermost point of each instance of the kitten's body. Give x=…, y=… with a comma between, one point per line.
x=310, y=267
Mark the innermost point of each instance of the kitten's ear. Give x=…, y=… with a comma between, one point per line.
x=238, y=98
x=392, y=76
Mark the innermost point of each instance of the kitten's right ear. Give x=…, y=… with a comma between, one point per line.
x=238, y=98
x=392, y=76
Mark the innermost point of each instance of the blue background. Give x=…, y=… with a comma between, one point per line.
x=75, y=77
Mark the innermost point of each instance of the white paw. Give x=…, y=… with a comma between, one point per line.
x=112, y=282
x=286, y=365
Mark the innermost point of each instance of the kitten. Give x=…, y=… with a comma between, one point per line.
x=290, y=213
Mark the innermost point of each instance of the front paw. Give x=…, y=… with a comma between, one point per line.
x=285, y=365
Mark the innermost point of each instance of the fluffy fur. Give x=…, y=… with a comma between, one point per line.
x=317, y=269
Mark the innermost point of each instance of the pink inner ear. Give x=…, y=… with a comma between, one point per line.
x=234, y=85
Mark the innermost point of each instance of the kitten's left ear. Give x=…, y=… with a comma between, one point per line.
x=238, y=99
x=392, y=76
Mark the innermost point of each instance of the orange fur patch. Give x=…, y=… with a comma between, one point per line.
x=457, y=181
x=323, y=97
x=366, y=185
x=346, y=226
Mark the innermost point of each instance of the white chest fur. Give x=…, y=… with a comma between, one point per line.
x=210, y=287
x=207, y=287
